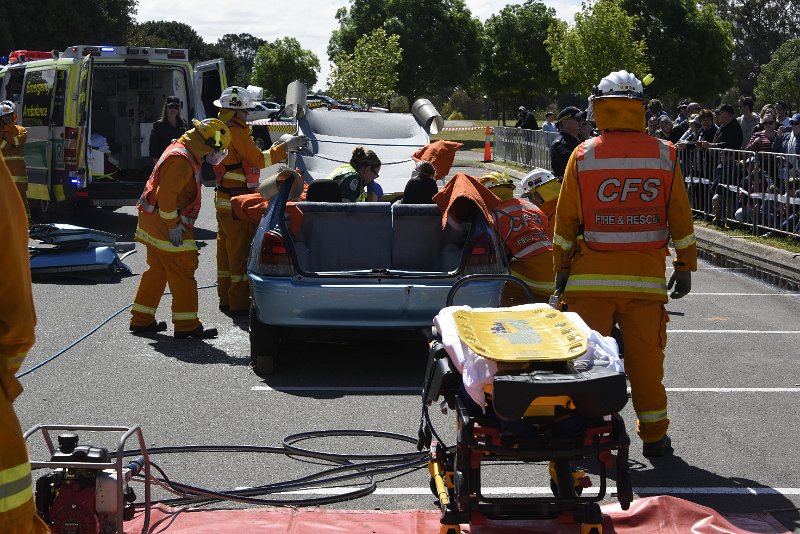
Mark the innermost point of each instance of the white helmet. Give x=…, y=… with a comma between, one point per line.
x=235, y=97
x=7, y=107
x=619, y=84
x=536, y=178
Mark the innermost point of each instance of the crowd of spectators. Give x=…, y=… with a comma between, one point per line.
x=752, y=180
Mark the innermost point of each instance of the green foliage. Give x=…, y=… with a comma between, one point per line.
x=399, y=104
x=369, y=74
x=456, y=116
x=440, y=40
x=778, y=78
x=56, y=24
x=516, y=63
x=674, y=28
x=278, y=64
x=601, y=41
x=759, y=28
x=460, y=102
x=244, y=47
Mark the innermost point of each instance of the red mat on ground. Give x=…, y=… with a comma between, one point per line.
x=662, y=514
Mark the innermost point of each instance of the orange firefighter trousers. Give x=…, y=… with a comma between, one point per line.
x=17, y=513
x=644, y=331
x=176, y=269
x=234, y=237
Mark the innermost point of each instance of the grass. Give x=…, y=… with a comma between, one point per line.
x=783, y=243
x=473, y=140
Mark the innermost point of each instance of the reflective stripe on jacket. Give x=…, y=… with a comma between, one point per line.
x=147, y=202
x=625, y=179
x=12, y=145
x=523, y=228
x=241, y=168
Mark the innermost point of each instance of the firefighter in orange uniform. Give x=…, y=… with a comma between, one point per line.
x=238, y=174
x=526, y=238
x=12, y=146
x=17, y=322
x=168, y=209
x=621, y=200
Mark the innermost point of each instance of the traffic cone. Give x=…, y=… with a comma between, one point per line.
x=487, y=147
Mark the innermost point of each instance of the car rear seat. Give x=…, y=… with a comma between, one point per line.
x=417, y=237
x=343, y=236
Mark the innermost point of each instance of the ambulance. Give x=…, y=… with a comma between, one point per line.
x=89, y=113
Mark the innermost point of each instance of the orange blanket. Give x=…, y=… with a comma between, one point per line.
x=469, y=188
x=251, y=208
x=441, y=154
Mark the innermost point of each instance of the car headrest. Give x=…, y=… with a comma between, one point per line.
x=323, y=190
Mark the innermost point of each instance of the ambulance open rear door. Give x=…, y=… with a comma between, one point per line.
x=209, y=81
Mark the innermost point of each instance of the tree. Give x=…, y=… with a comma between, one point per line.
x=759, y=28
x=516, y=63
x=244, y=46
x=467, y=106
x=278, y=64
x=440, y=41
x=601, y=41
x=689, y=47
x=778, y=78
x=55, y=24
x=370, y=73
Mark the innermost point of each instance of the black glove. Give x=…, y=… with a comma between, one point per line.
x=561, y=282
x=682, y=280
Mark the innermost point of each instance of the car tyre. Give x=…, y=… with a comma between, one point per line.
x=261, y=141
x=264, y=345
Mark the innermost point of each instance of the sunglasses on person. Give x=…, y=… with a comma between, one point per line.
x=375, y=172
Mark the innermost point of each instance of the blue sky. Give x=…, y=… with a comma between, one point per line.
x=309, y=21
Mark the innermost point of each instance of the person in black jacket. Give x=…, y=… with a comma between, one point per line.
x=169, y=127
x=526, y=119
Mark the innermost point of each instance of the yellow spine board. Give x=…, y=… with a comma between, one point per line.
x=509, y=335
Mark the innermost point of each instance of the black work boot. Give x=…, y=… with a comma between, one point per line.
x=148, y=328
x=198, y=333
x=656, y=449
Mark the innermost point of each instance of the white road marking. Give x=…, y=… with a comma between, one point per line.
x=380, y=389
x=542, y=490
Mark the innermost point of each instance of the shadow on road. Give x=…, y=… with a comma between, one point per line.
x=194, y=351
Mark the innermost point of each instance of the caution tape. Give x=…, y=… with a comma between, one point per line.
x=464, y=128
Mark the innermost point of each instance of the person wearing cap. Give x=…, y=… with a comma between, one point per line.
x=683, y=115
x=526, y=119
x=569, y=138
x=727, y=136
x=789, y=142
x=748, y=120
x=550, y=122
x=364, y=168
x=169, y=127
x=12, y=146
x=421, y=188
x=614, y=221
x=238, y=174
x=168, y=210
x=525, y=233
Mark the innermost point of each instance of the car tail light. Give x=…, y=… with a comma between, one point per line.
x=70, y=149
x=482, y=258
x=274, y=259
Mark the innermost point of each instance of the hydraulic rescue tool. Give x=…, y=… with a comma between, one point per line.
x=87, y=490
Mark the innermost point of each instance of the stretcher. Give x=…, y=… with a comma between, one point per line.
x=543, y=403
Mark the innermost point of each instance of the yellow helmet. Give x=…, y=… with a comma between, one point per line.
x=214, y=132
x=500, y=184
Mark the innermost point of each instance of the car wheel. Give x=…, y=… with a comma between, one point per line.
x=261, y=141
x=264, y=345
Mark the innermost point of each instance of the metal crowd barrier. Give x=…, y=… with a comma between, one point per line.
x=529, y=148
x=757, y=190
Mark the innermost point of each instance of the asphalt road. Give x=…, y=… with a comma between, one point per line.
x=731, y=372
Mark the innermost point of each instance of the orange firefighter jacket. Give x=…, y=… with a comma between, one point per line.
x=523, y=228
x=619, y=273
x=173, y=188
x=12, y=145
x=17, y=315
x=625, y=180
x=239, y=172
